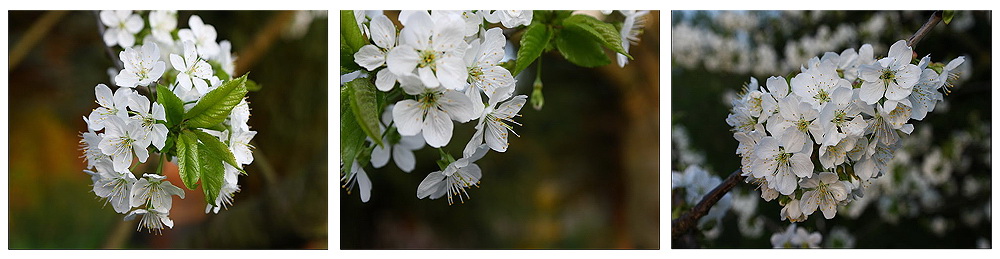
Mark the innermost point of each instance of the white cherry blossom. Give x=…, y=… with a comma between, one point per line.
x=509, y=18
x=122, y=25
x=203, y=35
x=780, y=167
x=631, y=28
x=460, y=174
x=154, y=192
x=399, y=147
x=142, y=66
x=151, y=219
x=432, y=114
x=120, y=140
x=192, y=70
x=825, y=191
x=115, y=187
x=112, y=105
x=149, y=130
x=431, y=49
x=162, y=23
x=891, y=77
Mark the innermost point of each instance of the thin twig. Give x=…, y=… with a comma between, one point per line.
x=36, y=32
x=689, y=220
x=100, y=34
x=919, y=35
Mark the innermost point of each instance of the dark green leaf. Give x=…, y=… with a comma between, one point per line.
x=363, y=103
x=947, y=16
x=347, y=58
x=216, y=105
x=187, y=159
x=173, y=106
x=580, y=49
x=351, y=136
x=214, y=145
x=603, y=32
x=212, y=173
x=532, y=43
x=253, y=86
x=350, y=32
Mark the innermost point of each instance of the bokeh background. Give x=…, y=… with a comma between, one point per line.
x=584, y=172
x=938, y=192
x=56, y=59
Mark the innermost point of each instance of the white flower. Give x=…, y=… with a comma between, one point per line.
x=796, y=122
x=142, y=67
x=115, y=187
x=740, y=119
x=834, y=154
x=748, y=143
x=483, y=62
x=780, y=167
x=847, y=63
x=824, y=191
x=509, y=18
x=792, y=211
x=432, y=114
x=226, y=58
x=203, y=36
x=152, y=219
x=947, y=76
x=155, y=193
x=794, y=237
x=815, y=85
x=461, y=174
x=492, y=127
x=925, y=94
x=162, y=23
x=371, y=57
x=193, y=71
x=399, y=147
x=884, y=124
x=432, y=50
x=89, y=145
x=359, y=177
x=122, y=25
x=111, y=106
x=229, y=188
x=473, y=20
x=631, y=28
x=239, y=144
x=149, y=130
x=841, y=115
x=120, y=140
x=240, y=115
x=892, y=77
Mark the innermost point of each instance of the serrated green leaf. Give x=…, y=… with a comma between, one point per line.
x=351, y=136
x=216, y=105
x=173, y=107
x=212, y=173
x=580, y=49
x=532, y=43
x=349, y=31
x=363, y=104
x=187, y=159
x=947, y=16
x=347, y=58
x=603, y=32
x=218, y=148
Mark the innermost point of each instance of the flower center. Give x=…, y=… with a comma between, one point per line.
x=428, y=58
x=839, y=117
x=802, y=125
x=888, y=75
x=822, y=96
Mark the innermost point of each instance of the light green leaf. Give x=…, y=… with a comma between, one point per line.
x=947, y=16
x=216, y=105
x=214, y=145
x=187, y=159
x=532, y=43
x=603, y=32
x=253, y=86
x=363, y=103
x=580, y=49
x=351, y=136
x=349, y=31
x=173, y=106
x=212, y=173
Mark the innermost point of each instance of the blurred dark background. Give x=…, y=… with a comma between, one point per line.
x=702, y=90
x=584, y=172
x=56, y=60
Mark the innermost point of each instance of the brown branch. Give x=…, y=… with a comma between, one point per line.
x=688, y=221
x=926, y=28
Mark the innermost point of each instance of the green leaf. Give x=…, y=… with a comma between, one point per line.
x=363, y=103
x=216, y=105
x=947, y=16
x=351, y=136
x=211, y=173
x=350, y=33
x=253, y=86
x=187, y=159
x=580, y=49
x=509, y=64
x=603, y=32
x=214, y=145
x=532, y=43
x=347, y=58
x=173, y=106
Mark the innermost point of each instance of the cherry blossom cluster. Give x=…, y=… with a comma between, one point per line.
x=444, y=62
x=128, y=123
x=817, y=139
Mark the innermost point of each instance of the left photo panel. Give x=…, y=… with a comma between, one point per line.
x=156, y=129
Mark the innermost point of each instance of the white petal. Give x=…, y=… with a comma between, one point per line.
x=380, y=155
x=385, y=80
x=404, y=159
x=433, y=183
x=408, y=117
x=457, y=105
x=370, y=57
x=871, y=92
x=364, y=184
x=437, y=128
x=383, y=32
x=452, y=73
x=427, y=77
